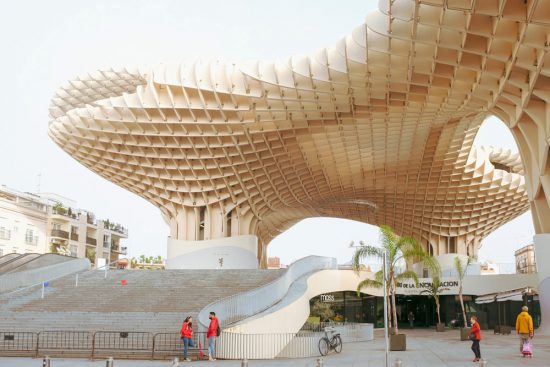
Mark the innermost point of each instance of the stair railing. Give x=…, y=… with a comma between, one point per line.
x=243, y=305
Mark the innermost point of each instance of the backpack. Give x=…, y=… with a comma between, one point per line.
x=218, y=331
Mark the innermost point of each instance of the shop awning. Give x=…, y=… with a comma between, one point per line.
x=510, y=296
x=513, y=295
x=489, y=298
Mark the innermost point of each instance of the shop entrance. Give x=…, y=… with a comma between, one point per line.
x=421, y=307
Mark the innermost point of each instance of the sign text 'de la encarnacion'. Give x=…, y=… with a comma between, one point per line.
x=408, y=287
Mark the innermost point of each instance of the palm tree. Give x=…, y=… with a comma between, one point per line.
x=398, y=250
x=434, y=290
x=461, y=269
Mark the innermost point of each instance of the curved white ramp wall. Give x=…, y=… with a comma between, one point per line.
x=292, y=312
x=238, y=252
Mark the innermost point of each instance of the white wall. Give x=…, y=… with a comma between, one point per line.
x=238, y=252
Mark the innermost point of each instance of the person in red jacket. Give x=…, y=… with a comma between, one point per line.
x=212, y=334
x=187, y=336
x=475, y=337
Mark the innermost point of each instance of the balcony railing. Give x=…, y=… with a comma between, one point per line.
x=60, y=233
x=91, y=241
x=74, y=236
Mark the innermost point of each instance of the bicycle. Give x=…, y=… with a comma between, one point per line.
x=334, y=342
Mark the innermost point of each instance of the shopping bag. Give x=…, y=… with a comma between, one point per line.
x=527, y=347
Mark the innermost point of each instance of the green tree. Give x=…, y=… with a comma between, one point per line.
x=461, y=268
x=434, y=290
x=398, y=250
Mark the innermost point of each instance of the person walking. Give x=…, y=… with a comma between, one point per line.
x=212, y=333
x=411, y=319
x=187, y=336
x=524, y=327
x=475, y=337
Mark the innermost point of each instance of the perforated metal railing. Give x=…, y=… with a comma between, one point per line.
x=240, y=306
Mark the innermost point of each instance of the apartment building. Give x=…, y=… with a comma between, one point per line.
x=43, y=223
x=525, y=260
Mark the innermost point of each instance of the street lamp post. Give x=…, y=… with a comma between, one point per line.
x=384, y=276
x=384, y=271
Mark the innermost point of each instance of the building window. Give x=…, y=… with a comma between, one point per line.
x=74, y=230
x=201, y=223
x=5, y=234
x=228, y=223
x=106, y=240
x=29, y=236
x=56, y=226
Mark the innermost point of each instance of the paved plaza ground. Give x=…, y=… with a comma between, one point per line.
x=426, y=348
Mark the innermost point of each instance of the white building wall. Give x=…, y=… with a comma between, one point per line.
x=238, y=252
x=22, y=230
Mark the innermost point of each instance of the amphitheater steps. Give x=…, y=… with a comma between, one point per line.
x=152, y=301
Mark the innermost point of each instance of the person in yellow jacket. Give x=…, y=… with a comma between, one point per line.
x=524, y=326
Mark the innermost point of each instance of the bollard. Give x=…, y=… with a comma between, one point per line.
x=46, y=361
x=175, y=362
x=483, y=362
x=398, y=363
x=319, y=362
x=110, y=362
x=244, y=363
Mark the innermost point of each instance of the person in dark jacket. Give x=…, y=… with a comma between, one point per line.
x=187, y=336
x=475, y=337
x=212, y=334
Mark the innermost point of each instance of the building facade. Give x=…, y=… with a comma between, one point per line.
x=44, y=223
x=525, y=260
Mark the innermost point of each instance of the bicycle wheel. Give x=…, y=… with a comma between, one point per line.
x=337, y=344
x=324, y=346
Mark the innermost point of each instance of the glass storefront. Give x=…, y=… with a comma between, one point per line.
x=347, y=306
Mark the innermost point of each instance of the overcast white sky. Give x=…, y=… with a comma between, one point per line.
x=45, y=43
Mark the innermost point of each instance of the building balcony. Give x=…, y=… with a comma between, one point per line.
x=119, y=250
x=91, y=241
x=60, y=234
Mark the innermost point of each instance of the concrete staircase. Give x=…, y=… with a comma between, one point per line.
x=151, y=300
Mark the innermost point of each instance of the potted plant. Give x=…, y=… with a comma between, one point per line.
x=461, y=269
x=398, y=250
x=434, y=290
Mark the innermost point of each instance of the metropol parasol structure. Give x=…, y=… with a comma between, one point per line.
x=378, y=128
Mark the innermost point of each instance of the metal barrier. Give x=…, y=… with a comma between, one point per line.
x=240, y=306
x=169, y=345
x=18, y=343
x=67, y=342
x=144, y=345
x=126, y=343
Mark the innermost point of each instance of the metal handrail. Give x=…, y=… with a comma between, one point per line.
x=106, y=267
x=238, y=307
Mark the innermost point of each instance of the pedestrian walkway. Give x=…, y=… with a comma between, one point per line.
x=426, y=348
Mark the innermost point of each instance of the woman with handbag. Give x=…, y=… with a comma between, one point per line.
x=475, y=337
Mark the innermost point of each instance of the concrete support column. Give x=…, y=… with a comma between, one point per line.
x=542, y=256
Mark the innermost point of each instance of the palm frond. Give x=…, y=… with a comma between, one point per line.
x=368, y=283
x=388, y=238
x=364, y=252
x=459, y=267
x=409, y=274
